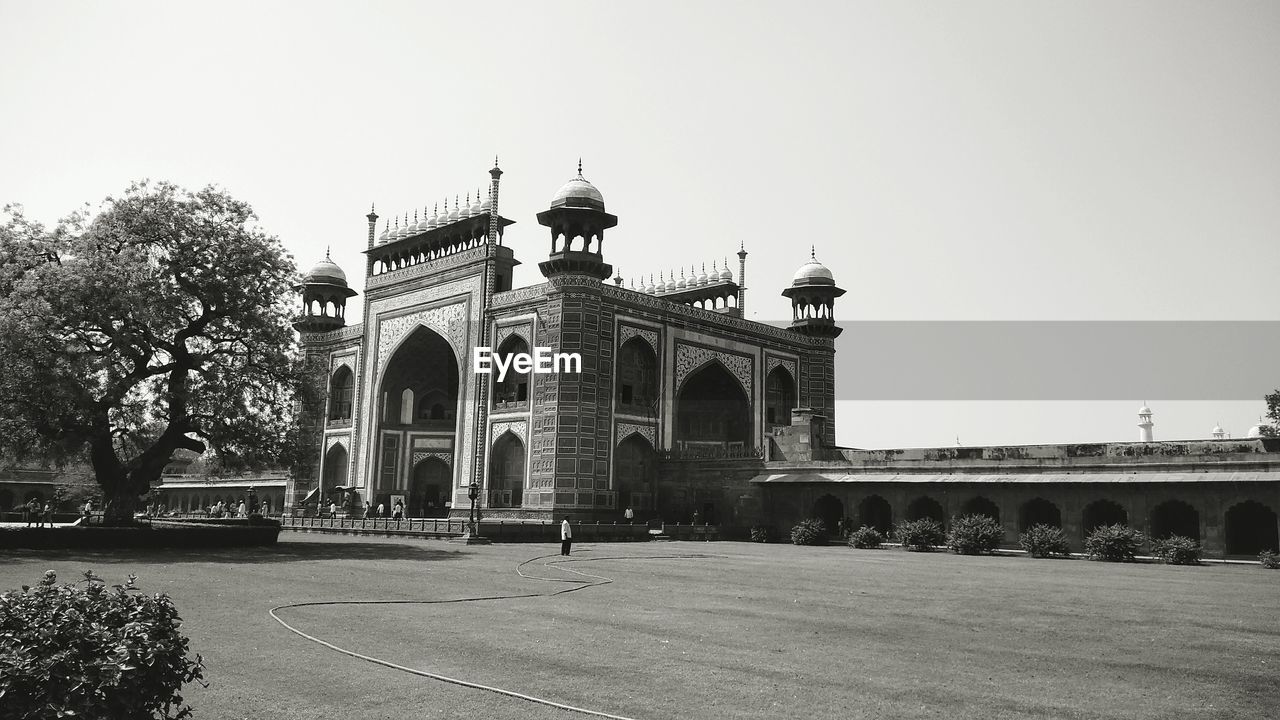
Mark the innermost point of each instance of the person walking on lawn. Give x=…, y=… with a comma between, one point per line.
x=566, y=537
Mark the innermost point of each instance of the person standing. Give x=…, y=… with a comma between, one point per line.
x=48, y=514
x=381, y=511
x=566, y=537
x=629, y=515
x=88, y=511
x=33, y=511
x=397, y=512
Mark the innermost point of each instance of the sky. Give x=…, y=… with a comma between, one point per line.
x=1032, y=161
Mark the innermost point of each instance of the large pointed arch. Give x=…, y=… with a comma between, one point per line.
x=507, y=471
x=713, y=414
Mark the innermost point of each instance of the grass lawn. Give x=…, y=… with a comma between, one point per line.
x=737, y=630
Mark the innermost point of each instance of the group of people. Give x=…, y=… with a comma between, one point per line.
x=34, y=514
x=221, y=509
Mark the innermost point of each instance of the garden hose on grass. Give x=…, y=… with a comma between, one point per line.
x=589, y=580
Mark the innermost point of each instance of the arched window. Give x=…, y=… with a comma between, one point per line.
x=340, y=390
x=779, y=397
x=1251, y=528
x=506, y=472
x=712, y=412
x=1175, y=517
x=634, y=472
x=875, y=512
x=1100, y=513
x=637, y=377
x=981, y=506
x=335, y=467
x=926, y=507
x=513, y=388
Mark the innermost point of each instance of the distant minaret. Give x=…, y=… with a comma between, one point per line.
x=742, y=279
x=1145, y=424
x=1218, y=432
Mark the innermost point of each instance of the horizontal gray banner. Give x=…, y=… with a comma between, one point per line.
x=1063, y=360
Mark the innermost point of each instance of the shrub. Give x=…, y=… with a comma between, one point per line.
x=763, y=534
x=1113, y=543
x=919, y=535
x=1044, y=541
x=1177, y=550
x=809, y=532
x=866, y=538
x=88, y=651
x=974, y=534
x=1269, y=560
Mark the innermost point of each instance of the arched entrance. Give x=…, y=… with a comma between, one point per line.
x=713, y=416
x=1251, y=528
x=430, y=488
x=634, y=472
x=981, y=506
x=1039, y=511
x=875, y=512
x=417, y=398
x=1100, y=513
x=779, y=397
x=926, y=507
x=829, y=510
x=506, y=472
x=335, y=467
x=1175, y=517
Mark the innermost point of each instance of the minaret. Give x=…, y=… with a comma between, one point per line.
x=372, y=217
x=1145, y=424
x=324, y=293
x=494, y=174
x=742, y=279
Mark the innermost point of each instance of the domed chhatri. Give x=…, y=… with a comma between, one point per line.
x=577, y=221
x=324, y=297
x=813, y=294
x=578, y=192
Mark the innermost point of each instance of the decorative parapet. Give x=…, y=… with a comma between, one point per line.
x=350, y=332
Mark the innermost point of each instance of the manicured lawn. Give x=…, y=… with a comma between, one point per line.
x=739, y=630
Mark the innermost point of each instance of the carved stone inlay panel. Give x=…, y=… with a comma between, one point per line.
x=448, y=320
x=517, y=428
x=774, y=362
x=626, y=429
x=343, y=440
x=506, y=331
x=421, y=455
x=691, y=357
x=626, y=332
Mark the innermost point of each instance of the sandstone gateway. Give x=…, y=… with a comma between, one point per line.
x=682, y=405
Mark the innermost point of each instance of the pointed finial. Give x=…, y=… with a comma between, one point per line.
x=371, y=208
x=326, y=253
x=415, y=216
x=495, y=160
x=813, y=253
x=579, y=167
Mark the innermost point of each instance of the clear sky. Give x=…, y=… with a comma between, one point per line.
x=949, y=160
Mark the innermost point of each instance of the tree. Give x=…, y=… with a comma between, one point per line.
x=162, y=323
x=1273, y=414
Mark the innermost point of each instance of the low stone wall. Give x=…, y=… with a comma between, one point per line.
x=158, y=535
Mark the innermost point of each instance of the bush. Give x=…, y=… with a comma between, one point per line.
x=1113, y=543
x=1269, y=560
x=974, y=534
x=919, y=535
x=763, y=534
x=809, y=532
x=1044, y=541
x=92, y=652
x=1177, y=550
x=866, y=538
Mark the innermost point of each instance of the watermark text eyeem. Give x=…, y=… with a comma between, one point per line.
x=544, y=360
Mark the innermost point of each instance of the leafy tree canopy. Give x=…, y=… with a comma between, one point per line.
x=161, y=323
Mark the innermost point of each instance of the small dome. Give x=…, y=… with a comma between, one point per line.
x=702, y=279
x=477, y=207
x=487, y=204
x=326, y=271
x=465, y=210
x=453, y=216
x=396, y=232
x=813, y=272
x=578, y=193
x=726, y=275
x=1144, y=410
x=425, y=224
x=435, y=218
x=682, y=283
x=386, y=234
x=1255, y=431
x=1217, y=430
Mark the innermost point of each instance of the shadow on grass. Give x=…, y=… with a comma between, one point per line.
x=291, y=551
